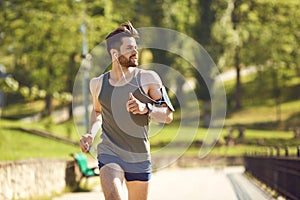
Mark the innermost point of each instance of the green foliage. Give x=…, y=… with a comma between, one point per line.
x=258, y=33
x=9, y=84
x=45, y=42
x=41, y=42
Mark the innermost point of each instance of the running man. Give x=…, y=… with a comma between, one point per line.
x=124, y=100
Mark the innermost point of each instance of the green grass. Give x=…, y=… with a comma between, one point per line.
x=168, y=133
x=254, y=140
x=20, y=110
x=259, y=100
x=289, y=115
x=65, y=130
x=16, y=145
x=25, y=109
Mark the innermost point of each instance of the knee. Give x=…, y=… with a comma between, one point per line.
x=111, y=170
x=112, y=177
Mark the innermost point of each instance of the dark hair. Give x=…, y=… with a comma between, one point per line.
x=114, y=39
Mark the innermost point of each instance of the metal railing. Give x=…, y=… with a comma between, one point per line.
x=281, y=172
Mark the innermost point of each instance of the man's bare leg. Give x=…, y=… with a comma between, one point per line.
x=112, y=176
x=137, y=190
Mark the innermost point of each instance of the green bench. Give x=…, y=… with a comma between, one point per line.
x=85, y=170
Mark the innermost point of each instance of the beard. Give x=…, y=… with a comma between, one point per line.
x=124, y=62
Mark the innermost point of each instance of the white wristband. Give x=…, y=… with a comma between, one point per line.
x=95, y=129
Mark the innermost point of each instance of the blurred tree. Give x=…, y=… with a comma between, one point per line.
x=40, y=42
x=180, y=16
x=280, y=45
x=229, y=32
x=202, y=33
x=257, y=33
x=42, y=37
x=45, y=41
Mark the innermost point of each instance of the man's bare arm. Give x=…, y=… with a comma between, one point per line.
x=96, y=119
x=162, y=114
x=152, y=85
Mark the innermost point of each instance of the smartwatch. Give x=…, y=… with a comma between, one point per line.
x=149, y=107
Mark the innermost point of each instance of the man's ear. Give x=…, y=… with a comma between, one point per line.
x=114, y=53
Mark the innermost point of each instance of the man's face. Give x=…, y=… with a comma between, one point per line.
x=129, y=53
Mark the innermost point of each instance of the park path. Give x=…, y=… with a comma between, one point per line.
x=192, y=184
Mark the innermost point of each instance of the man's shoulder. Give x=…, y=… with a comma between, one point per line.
x=96, y=80
x=150, y=76
x=149, y=73
x=96, y=83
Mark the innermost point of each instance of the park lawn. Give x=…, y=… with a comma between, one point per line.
x=237, y=150
x=66, y=130
x=16, y=145
x=21, y=110
x=169, y=133
x=263, y=113
x=165, y=140
x=253, y=141
x=26, y=109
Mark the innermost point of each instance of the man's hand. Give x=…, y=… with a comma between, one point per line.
x=135, y=106
x=85, y=142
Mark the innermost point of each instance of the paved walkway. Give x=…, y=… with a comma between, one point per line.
x=192, y=184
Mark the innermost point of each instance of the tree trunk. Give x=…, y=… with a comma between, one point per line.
x=276, y=94
x=206, y=114
x=70, y=81
x=235, y=18
x=238, y=104
x=179, y=101
x=48, y=107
